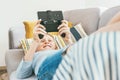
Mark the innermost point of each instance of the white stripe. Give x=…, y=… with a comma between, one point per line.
x=76, y=69
x=104, y=47
x=92, y=61
x=67, y=77
x=112, y=55
x=98, y=56
x=85, y=57
x=118, y=52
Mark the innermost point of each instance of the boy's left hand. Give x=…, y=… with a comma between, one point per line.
x=64, y=29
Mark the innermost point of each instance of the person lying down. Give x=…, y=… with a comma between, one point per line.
x=95, y=57
x=43, y=57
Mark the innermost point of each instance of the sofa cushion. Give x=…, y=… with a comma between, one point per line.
x=88, y=17
x=12, y=59
x=29, y=25
x=77, y=32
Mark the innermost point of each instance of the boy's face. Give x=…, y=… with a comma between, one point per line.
x=47, y=43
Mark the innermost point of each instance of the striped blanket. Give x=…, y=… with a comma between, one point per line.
x=96, y=57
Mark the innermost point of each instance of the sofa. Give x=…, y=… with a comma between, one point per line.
x=90, y=18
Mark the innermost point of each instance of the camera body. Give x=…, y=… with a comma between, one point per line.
x=51, y=25
x=50, y=19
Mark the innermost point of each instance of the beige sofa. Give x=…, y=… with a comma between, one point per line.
x=90, y=19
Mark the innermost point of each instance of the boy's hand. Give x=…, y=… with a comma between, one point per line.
x=38, y=29
x=64, y=29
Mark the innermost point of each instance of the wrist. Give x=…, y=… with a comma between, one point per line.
x=34, y=44
x=29, y=54
x=68, y=41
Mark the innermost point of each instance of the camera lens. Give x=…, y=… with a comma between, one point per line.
x=40, y=36
x=63, y=35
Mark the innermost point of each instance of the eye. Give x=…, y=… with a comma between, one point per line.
x=42, y=40
x=50, y=40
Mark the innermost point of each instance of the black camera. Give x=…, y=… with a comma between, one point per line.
x=51, y=25
x=50, y=19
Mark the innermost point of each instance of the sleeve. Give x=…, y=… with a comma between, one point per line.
x=24, y=69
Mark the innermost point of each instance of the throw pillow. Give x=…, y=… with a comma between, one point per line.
x=25, y=43
x=77, y=32
x=29, y=25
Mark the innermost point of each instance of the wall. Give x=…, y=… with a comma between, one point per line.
x=102, y=3
x=14, y=12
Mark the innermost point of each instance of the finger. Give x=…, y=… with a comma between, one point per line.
x=35, y=36
x=64, y=28
x=62, y=25
x=65, y=31
x=40, y=26
x=65, y=21
x=39, y=30
x=38, y=22
x=36, y=33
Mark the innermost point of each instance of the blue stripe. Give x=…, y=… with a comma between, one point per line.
x=83, y=58
x=116, y=60
x=57, y=77
x=67, y=72
x=102, y=53
x=82, y=50
x=67, y=61
x=88, y=59
x=61, y=72
x=79, y=47
x=75, y=33
x=93, y=50
x=109, y=58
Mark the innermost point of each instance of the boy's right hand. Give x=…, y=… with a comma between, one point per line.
x=38, y=29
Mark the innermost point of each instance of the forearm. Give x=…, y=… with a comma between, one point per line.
x=30, y=53
x=24, y=69
x=68, y=41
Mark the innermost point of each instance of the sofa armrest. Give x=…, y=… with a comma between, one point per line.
x=12, y=59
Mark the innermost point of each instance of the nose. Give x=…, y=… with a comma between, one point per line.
x=46, y=41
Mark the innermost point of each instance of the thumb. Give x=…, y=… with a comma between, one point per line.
x=38, y=21
x=64, y=21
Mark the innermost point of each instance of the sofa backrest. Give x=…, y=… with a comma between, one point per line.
x=107, y=15
x=89, y=19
